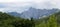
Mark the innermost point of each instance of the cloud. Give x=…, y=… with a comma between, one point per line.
x=22, y=5
x=5, y=1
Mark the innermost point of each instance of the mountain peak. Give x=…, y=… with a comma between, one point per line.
x=35, y=13
x=31, y=8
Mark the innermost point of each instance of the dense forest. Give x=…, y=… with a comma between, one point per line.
x=7, y=20
x=49, y=21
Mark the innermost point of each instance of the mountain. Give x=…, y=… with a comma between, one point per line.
x=35, y=13
x=14, y=14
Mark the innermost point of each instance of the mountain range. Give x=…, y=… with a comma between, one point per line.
x=35, y=13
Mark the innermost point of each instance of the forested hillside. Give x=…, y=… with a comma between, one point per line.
x=7, y=20
x=50, y=21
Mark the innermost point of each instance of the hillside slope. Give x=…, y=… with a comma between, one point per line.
x=7, y=20
x=53, y=19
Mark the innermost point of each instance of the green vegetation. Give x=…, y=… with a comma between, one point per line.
x=50, y=21
x=7, y=20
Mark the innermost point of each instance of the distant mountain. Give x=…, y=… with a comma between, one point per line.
x=35, y=13
x=14, y=14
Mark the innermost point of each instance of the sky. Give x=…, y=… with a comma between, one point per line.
x=23, y=5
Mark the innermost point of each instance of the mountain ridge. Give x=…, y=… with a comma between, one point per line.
x=35, y=13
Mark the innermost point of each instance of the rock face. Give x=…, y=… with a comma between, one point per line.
x=35, y=13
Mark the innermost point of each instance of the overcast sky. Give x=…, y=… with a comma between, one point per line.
x=21, y=5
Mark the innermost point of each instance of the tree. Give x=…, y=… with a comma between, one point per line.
x=32, y=22
x=52, y=22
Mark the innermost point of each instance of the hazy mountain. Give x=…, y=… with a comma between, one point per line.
x=35, y=13
x=14, y=14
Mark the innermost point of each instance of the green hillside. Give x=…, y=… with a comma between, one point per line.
x=49, y=21
x=7, y=20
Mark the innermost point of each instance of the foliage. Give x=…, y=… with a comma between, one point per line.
x=7, y=20
x=52, y=22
